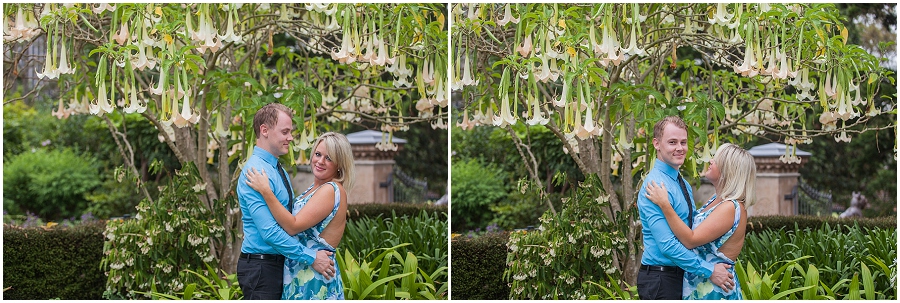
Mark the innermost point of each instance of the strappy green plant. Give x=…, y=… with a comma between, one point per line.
x=375, y=279
x=213, y=287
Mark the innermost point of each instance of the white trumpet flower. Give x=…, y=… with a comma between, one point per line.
x=526, y=46
x=466, y=124
x=230, y=36
x=537, y=115
x=61, y=112
x=721, y=17
x=561, y=99
x=467, y=74
x=122, y=35
x=507, y=17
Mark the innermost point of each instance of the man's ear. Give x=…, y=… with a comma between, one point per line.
x=263, y=131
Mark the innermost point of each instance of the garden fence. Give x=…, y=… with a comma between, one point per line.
x=404, y=188
x=810, y=201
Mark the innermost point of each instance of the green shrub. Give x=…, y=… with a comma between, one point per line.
x=113, y=198
x=475, y=188
x=46, y=263
x=165, y=238
x=837, y=253
x=386, y=210
x=571, y=249
x=51, y=184
x=478, y=265
x=426, y=233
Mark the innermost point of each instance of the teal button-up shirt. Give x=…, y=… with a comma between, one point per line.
x=262, y=234
x=661, y=247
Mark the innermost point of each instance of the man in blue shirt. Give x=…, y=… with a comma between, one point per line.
x=260, y=268
x=665, y=259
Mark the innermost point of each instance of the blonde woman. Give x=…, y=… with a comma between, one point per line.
x=319, y=216
x=720, y=225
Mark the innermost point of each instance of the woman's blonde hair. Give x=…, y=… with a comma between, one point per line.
x=737, y=173
x=338, y=148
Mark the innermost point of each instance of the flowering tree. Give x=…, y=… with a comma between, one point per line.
x=599, y=76
x=199, y=72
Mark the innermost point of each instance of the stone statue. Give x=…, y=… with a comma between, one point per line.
x=857, y=204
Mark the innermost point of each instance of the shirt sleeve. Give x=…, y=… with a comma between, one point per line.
x=268, y=228
x=667, y=243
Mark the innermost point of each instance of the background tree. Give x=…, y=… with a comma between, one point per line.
x=197, y=73
x=599, y=76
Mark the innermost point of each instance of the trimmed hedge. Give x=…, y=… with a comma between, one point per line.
x=755, y=224
x=372, y=210
x=477, y=266
x=41, y=264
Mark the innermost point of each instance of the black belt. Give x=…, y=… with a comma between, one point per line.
x=278, y=258
x=661, y=268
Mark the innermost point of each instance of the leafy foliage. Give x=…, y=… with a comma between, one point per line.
x=570, y=249
x=834, y=254
x=476, y=186
x=381, y=278
x=52, y=184
x=806, y=285
x=213, y=287
x=145, y=250
x=425, y=233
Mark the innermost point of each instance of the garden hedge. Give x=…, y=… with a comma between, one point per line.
x=373, y=210
x=476, y=267
x=761, y=223
x=57, y=262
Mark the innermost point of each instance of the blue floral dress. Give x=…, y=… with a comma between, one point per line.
x=302, y=282
x=700, y=288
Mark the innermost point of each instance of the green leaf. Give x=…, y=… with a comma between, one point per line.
x=868, y=282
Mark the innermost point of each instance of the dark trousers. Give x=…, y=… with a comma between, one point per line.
x=260, y=279
x=660, y=285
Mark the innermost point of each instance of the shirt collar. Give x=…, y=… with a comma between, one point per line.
x=666, y=169
x=265, y=156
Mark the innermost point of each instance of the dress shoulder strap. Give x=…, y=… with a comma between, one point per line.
x=737, y=212
x=337, y=194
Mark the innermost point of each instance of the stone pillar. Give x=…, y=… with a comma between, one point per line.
x=775, y=180
x=373, y=168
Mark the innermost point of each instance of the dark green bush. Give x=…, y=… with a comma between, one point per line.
x=41, y=264
x=476, y=187
x=372, y=210
x=761, y=223
x=51, y=184
x=477, y=267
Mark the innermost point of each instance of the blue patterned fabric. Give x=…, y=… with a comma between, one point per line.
x=301, y=281
x=700, y=288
